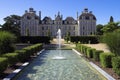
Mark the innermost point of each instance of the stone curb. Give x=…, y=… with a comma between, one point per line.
x=106, y=75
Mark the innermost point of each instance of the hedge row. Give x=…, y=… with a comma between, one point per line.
x=84, y=39
x=87, y=51
x=108, y=60
x=35, y=39
x=96, y=55
x=116, y=64
x=3, y=64
x=9, y=59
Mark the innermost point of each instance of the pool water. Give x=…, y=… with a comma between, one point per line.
x=74, y=67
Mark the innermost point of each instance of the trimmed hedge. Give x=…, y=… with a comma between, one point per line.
x=12, y=58
x=84, y=50
x=85, y=39
x=21, y=55
x=90, y=52
x=26, y=52
x=9, y=59
x=96, y=54
x=35, y=39
x=106, y=59
x=116, y=64
x=78, y=47
x=3, y=64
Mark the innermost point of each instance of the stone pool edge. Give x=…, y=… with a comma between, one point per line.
x=17, y=71
x=105, y=74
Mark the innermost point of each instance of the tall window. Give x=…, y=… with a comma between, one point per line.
x=83, y=27
x=74, y=27
x=42, y=28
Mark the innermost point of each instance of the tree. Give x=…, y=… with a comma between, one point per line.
x=6, y=42
x=12, y=24
x=67, y=38
x=111, y=19
x=112, y=39
x=99, y=29
x=0, y=25
x=110, y=27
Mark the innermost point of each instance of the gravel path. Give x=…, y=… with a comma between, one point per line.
x=100, y=46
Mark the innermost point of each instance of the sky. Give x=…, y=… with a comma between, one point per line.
x=102, y=9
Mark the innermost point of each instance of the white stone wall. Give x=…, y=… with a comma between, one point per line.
x=81, y=28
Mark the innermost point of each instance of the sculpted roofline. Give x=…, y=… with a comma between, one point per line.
x=59, y=17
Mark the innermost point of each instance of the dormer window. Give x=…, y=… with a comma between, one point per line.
x=87, y=18
x=28, y=17
x=36, y=17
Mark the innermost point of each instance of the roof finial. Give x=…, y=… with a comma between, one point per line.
x=58, y=12
x=77, y=15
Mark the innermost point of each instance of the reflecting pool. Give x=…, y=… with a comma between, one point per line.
x=74, y=67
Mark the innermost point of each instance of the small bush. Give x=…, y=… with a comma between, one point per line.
x=12, y=58
x=21, y=55
x=105, y=59
x=3, y=64
x=96, y=54
x=90, y=52
x=116, y=64
x=84, y=50
x=78, y=47
x=6, y=42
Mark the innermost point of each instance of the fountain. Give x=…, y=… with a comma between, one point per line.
x=46, y=68
x=59, y=46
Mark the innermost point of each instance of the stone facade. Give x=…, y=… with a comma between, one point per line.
x=32, y=25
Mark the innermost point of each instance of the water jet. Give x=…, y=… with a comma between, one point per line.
x=59, y=46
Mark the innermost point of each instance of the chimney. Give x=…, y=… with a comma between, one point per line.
x=40, y=15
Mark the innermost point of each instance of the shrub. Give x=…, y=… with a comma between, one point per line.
x=35, y=39
x=26, y=52
x=113, y=41
x=90, y=52
x=30, y=50
x=84, y=39
x=12, y=58
x=96, y=54
x=105, y=59
x=116, y=64
x=21, y=55
x=78, y=47
x=84, y=50
x=6, y=42
x=3, y=64
x=81, y=47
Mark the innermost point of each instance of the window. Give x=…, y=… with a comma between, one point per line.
x=74, y=27
x=42, y=28
x=42, y=33
x=83, y=27
x=69, y=28
x=28, y=17
x=83, y=33
x=87, y=17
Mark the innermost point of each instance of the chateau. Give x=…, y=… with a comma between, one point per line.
x=32, y=25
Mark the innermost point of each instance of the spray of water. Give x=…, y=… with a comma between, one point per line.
x=59, y=45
